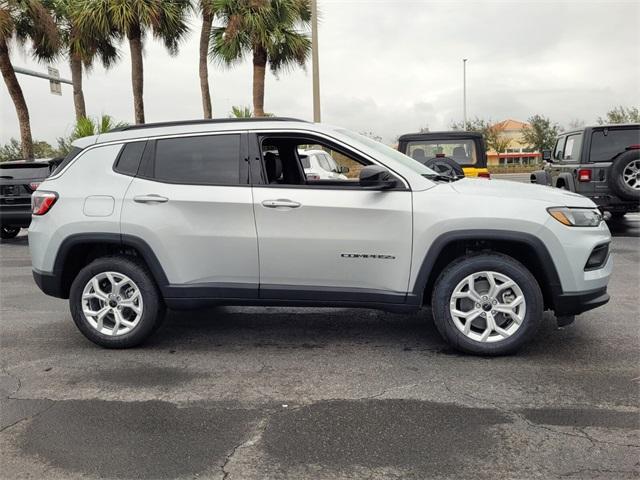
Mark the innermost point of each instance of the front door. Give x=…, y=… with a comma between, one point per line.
x=328, y=239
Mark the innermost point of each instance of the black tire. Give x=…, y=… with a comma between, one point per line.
x=616, y=178
x=495, y=262
x=153, y=311
x=9, y=232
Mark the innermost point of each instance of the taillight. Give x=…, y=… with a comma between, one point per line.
x=584, y=175
x=41, y=202
x=33, y=186
x=484, y=175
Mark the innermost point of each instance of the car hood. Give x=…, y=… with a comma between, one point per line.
x=508, y=189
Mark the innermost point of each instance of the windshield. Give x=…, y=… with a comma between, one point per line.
x=462, y=152
x=389, y=152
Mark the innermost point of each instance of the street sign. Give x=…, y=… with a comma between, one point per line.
x=54, y=82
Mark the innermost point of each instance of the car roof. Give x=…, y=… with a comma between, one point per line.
x=606, y=125
x=446, y=135
x=191, y=126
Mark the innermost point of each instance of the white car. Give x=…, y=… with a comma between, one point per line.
x=186, y=214
x=319, y=165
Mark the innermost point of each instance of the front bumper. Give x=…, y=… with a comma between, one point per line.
x=580, y=302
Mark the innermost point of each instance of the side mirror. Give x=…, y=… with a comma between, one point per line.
x=343, y=169
x=375, y=177
x=546, y=156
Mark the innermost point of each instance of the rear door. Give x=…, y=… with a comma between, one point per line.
x=192, y=204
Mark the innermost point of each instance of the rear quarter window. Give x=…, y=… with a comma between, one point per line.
x=129, y=159
x=607, y=143
x=73, y=153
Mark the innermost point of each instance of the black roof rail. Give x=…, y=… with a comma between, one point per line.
x=204, y=122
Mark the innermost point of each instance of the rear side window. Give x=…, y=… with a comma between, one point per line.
x=607, y=143
x=129, y=158
x=208, y=160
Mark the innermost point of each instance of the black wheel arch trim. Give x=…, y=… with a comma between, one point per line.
x=53, y=283
x=551, y=278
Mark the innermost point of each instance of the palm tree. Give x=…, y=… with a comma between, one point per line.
x=85, y=127
x=269, y=30
x=165, y=19
x=240, y=112
x=27, y=21
x=205, y=7
x=82, y=47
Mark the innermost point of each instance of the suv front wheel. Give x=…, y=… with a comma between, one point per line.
x=488, y=304
x=115, y=302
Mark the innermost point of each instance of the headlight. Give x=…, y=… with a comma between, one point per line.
x=576, y=217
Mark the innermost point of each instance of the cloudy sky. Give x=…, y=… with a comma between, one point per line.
x=390, y=67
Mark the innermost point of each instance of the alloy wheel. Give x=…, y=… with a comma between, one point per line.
x=487, y=306
x=112, y=303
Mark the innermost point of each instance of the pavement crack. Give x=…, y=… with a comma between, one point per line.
x=31, y=417
x=384, y=392
x=519, y=416
x=259, y=430
x=17, y=379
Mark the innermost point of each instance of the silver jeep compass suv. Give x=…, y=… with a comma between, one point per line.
x=187, y=214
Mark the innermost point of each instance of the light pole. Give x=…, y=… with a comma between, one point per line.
x=464, y=93
x=315, y=61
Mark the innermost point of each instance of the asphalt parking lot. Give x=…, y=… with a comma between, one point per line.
x=254, y=393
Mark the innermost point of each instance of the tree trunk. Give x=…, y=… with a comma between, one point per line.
x=259, y=67
x=9, y=76
x=205, y=34
x=76, y=79
x=137, y=74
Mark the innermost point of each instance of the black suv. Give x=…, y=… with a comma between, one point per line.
x=602, y=163
x=18, y=180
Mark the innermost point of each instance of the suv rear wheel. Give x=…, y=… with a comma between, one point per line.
x=115, y=302
x=489, y=304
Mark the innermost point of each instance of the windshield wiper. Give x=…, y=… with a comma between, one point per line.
x=443, y=178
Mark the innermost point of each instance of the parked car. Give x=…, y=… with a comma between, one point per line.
x=187, y=214
x=320, y=165
x=18, y=180
x=467, y=149
x=602, y=163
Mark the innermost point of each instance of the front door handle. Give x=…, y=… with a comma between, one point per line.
x=281, y=203
x=151, y=198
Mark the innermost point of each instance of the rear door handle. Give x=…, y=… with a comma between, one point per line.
x=151, y=198
x=281, y=203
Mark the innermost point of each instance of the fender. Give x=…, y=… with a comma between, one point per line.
x=550, y=274
x=55, y=278
x=568, y=179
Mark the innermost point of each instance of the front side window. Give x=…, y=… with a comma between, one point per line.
x=208, y=160
x=607, y=143
x=291, y=160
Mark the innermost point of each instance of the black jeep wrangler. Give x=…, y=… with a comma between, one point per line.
x=602, y=163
